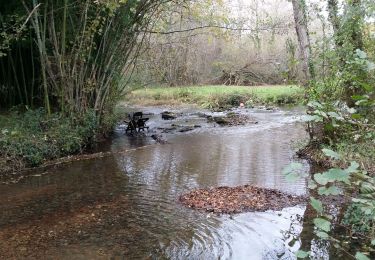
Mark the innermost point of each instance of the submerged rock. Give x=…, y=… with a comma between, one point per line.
x=201, y=114
x=231, y=119
x=167, y=129
x=221, y=120
x=178, y=128
x=186, y=129
x=158, y=138
x=166, y=115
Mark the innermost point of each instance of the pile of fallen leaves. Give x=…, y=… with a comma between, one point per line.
x=239, y=199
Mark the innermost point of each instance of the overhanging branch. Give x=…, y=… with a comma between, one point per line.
x=218, y=27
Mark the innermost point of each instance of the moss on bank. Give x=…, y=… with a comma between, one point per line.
x=31, y=138
x=217, y=97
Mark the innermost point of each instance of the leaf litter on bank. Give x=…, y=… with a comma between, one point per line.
x=239, y=199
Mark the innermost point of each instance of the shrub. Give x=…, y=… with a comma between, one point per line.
x=30, y=138
x=235, y=99
x=358, y=221
x=157, y=96
x=183, y=93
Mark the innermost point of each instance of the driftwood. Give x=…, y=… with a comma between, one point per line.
x=246, y=76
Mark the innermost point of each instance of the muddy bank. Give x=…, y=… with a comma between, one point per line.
x=239, y=199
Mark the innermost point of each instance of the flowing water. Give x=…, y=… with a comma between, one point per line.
x=125, y=206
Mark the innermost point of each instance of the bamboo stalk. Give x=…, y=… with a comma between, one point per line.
x=41, y=49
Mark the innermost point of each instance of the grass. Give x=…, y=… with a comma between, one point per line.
x=217, y=96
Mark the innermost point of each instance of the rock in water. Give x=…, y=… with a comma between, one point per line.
x=158, y=138
x=186, y=129
x=168, y=115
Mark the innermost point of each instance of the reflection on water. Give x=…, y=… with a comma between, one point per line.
x=126, y=205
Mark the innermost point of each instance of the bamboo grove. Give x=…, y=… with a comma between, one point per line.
x=70, y=56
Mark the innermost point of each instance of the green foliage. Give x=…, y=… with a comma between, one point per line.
x=184, y=93
x=360, y=256
x=235, y=99
x=322, y=235
x=359, y=216
x=215, y=97
x=322, y=224
x=302, y=254
x=339, y=121
x=32, y=137
x=331, y=190
x=317, y=205
x=70, y=55
x=331, y=153
x=359, y=222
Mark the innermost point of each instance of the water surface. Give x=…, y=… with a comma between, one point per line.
x=126, y=205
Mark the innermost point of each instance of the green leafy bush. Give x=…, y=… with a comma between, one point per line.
x=357, y=220
x=359, y=216
x=30, y=138
x=235, y=99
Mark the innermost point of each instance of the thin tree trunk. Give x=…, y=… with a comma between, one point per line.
x=299, y=12
x=357, y=43
x=42, y=54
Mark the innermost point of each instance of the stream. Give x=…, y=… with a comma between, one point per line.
x=125, y=206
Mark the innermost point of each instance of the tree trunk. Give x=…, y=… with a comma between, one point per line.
x=299, y=12
x=42, y=54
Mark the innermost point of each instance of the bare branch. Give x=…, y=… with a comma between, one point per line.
x=218, y=27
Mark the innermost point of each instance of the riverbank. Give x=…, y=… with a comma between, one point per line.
x=218, y=97
x=30, y=139
x=363, y=153
x=33, y=138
